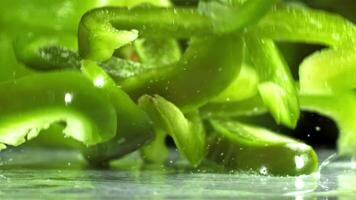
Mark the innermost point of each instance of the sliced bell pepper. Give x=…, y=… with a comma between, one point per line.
x=34, y=102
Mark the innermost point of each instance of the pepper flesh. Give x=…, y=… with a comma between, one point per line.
x=134, y=129
x=277, y=87
x=261, y=150
x=187, y=131
x=208, y=66
x=34, y=102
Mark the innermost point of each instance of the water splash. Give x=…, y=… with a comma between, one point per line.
x=338, y=174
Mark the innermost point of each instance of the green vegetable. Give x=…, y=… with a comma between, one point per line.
x=244, y=147
x=340, y=107
x=47, y=52
x=232, y=15
x=103, y=30
x=329, y=71
x=134, y=129
x=208, y=66
x=34, y=102
x=248, y=78
x=277, y=87
x=301, y=24
x=197, y=73
x=187, y=132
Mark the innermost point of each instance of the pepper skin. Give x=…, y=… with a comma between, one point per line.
x=32, y=103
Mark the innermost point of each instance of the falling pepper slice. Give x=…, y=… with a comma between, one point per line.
x=32, y=103
x=244, y=147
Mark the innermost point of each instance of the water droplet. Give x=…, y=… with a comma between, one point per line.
x=68, y=97
x=263, y=170
x=317, y=128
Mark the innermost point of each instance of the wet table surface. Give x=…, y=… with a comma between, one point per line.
x=34, y=173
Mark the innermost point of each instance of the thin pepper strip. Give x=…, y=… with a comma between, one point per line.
x=277, y=86
x=34, y=102
x=301, y=24
x=187, y=131
x=134, y=128
x=47, y=52
x=233, y=15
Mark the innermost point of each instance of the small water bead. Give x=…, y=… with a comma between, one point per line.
x=317, y=128
x=263, y=170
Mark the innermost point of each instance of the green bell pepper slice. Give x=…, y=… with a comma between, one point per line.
x=233, y=15
x=43, y=16
x=63, y=16
x=47, y=52
x=34, y=102
x=134, y=127
x=158, y=51
x=329, y=71
x=248, y=78
x=245, y=147
x=10, y=67
x=187, y=131
x=208, y=66
x=301, y=24
x=103, y=30
x=277, y=86
x=247, y=107
x=340, y=107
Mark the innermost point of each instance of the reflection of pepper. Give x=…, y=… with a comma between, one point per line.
x=34, y=102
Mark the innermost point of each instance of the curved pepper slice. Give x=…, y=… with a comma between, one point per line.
x=247, y=107
x=10, y=67
x=187, y=133
x=208, y=66
x=32, y=103
x=233, y=15
x=103, y=30
x=277, y=86
x=47, y=52
x=329, y=71
x=300, y=24
x=248, y=78
x=244, y=147
x=134, y=128
x=62, y=16
x=340, y=107
x=158, y=51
